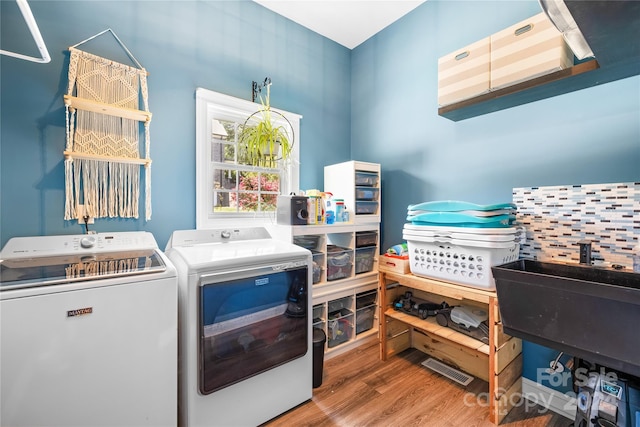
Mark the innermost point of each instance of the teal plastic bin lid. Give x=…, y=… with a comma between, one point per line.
x=457, y=219
x=457, y=206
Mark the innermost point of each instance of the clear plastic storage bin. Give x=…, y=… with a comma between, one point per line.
x=339, y=327
x=367, y=193
x=339, y=262
x=364, y=259
x=318, y=264
x=364, y=318
x=318, y=316
x=366, y=179
x=339, y=304
x=366, y=208
x=364, y=299
x=366, y=238
x=338, y=272
x=310, y=242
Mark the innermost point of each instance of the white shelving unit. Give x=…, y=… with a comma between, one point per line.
x=346, y=274
x=348, y=317
x=358, y=183
x=345, y=255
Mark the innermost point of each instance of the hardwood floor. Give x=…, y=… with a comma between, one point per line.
x=359, y=389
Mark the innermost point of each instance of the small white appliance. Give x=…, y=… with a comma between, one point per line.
x=89, y=331
x=469, y=317
x=245, y=326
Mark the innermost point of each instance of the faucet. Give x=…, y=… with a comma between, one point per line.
x=585, y=252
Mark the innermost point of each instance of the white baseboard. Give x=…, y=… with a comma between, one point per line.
x=549, y=398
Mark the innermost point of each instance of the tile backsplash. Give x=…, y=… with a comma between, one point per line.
x=557, y=217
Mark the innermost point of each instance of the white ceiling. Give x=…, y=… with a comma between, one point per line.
x=348, y=22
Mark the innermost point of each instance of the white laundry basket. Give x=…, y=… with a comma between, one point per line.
x=461, y=261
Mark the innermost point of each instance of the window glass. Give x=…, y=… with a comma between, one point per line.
x=226, y=186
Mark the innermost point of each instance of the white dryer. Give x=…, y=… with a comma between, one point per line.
x=89, y=331
x=245, y=326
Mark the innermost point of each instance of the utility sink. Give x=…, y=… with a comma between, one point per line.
x=588, y=312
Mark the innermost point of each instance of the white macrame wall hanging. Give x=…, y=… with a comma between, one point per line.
x=102, y=154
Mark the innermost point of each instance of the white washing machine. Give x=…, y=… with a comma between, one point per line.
x=245, y=326
x=89, y=331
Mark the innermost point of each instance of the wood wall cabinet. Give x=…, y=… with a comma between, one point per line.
x=578, y=77
x=499, y=362
x=611, y=29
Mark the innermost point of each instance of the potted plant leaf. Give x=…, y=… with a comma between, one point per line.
x=265, y=137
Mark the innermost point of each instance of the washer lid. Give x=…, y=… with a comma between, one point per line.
x=18, y=273
x=48, y=260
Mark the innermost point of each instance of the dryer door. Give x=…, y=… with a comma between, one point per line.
x=251, y=324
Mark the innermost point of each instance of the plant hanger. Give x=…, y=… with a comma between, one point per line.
x=263, y=134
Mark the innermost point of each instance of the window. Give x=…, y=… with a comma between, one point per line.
x=227, y=188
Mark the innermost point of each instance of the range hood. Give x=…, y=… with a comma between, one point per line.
x=559, y=15
x=606, y=30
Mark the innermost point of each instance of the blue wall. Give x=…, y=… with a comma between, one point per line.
x=377, y=103
x=589, y=136
x=219, y=45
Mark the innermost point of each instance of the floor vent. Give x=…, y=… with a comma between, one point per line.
x=447, y=371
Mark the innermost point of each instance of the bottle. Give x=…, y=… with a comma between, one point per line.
x=339, y=209
x=312, y=208
x=329, y=213
x=316, y=207
x=636, y=259
x=329, y=217
x=345, y=215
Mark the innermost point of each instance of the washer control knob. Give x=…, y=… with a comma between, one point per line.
x=226, y=234
x=88, y=242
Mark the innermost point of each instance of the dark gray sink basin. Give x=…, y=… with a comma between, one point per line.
x=607, y=276
x=588, y=312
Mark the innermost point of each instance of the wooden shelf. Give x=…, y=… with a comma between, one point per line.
x=447, y=289
x=536, y=89
x=499, y=362
x=76, y=155
x=430, y=325
x=100, y=107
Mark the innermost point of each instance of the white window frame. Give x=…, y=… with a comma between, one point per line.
x=212, y=105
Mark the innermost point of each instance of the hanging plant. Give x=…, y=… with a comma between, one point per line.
x=263, y=141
